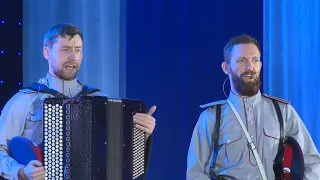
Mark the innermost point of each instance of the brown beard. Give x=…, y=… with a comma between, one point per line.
x=67, y=76
x=246, y=88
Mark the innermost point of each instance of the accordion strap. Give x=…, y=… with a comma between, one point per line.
x=87, y=90
x=279, y=159
x=215, y=138
x=280, y=119
x=44, y=89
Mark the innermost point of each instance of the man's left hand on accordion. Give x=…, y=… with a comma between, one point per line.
x=145, y=121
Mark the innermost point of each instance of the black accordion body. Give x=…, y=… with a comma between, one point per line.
x=93, y=138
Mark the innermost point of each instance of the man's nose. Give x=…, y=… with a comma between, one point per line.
x=73, y=55
x=249, y=66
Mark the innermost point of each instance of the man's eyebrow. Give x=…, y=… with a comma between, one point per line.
x=70, y=46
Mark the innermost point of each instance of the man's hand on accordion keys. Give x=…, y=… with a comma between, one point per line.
x=146, y=122
x=34, y=170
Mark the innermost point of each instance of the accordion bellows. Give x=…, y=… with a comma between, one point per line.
x=93, y=138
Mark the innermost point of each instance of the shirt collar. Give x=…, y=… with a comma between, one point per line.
x=240, y=100
x=60, y=85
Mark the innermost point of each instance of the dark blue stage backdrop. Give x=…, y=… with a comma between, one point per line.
x=174, y=52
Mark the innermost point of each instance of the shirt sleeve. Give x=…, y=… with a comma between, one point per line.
x=12, y=121
x=296, y=129
x=201, y=148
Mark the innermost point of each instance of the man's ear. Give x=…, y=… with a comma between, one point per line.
x=46, y=52
x=225, y=68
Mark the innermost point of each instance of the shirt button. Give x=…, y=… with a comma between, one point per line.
x=251, y=136
x=277, y=135
x=249, y=110
x=246, y=101
x=228, y=141
x=251, y=122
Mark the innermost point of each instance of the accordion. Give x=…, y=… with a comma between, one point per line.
x=88, y=138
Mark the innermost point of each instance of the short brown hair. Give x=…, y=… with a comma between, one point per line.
x=60, y=30
x=240, y=39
